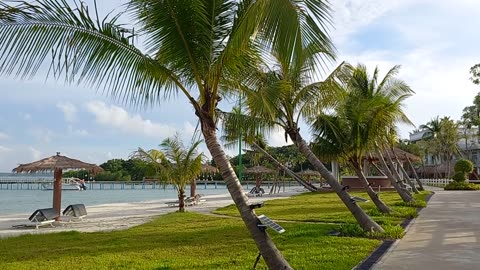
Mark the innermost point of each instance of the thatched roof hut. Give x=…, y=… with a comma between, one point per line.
x=402, y=155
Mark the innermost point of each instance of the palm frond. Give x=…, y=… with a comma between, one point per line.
x=85, y=50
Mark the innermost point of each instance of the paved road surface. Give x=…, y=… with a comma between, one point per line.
x=446, y=235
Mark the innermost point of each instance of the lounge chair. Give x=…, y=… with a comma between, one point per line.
x=41, y=217
x=189, y=201
x=257, y=192
x=75, y=212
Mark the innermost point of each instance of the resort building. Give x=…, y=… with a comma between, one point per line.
x=468, y=145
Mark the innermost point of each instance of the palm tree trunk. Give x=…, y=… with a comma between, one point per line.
x=415, y=174
x=406, y=197
x=272, y=256
x=181, y=200
x=193, y=188
x=295, y=176
x=364, y=220
x=409, y=181
x=371, y=193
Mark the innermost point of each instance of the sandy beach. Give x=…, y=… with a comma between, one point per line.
x=119, y=216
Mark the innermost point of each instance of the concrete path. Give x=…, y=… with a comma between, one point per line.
x=446, y=235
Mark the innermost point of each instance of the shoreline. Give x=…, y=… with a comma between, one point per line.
x=121, y=216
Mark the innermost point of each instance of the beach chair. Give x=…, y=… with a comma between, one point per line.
x=75, y=212
x=257, y=192
x=41, y=217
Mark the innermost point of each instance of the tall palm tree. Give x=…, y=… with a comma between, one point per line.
x=284, y=92
x=351, y=132
x=192, y=48
x=176, y=164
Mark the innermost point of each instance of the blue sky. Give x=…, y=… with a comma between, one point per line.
x=434, y=41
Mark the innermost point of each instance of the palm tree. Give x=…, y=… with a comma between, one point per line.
x=284, y=93
x=176, y=164
x=359, y=119
x=196, y=48
x=257, y=141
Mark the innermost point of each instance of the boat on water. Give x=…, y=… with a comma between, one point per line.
x=67, y=184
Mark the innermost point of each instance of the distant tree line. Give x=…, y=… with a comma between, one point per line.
x=117, y=170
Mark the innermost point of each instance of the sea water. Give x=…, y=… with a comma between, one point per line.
x=26, y=201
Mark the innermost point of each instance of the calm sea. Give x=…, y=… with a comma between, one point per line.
x=26, y=201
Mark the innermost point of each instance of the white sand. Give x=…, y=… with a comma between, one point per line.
x=119, y=216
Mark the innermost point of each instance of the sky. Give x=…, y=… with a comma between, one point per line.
x=434, y=41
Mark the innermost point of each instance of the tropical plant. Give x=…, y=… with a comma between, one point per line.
x=462, y=168
x=283, y=94
x=358, y=122
x=475, y=71
x=196, y=48
x=176, y=164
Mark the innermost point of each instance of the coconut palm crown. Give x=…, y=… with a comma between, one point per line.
x=358, y=124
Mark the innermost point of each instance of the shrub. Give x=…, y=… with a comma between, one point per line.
x=459, y=177
x=351, y=230
x=462, y=168
x=354, y=230
x=462, y=186
x=463, y=165
x=391, y=232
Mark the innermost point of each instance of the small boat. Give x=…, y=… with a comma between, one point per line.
x=67, y=184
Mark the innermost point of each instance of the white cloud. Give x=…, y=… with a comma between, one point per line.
x=3, y=136
x=119, y=118
x=36, y=154
x=277, y=138
x=4, y=149
x=351, y=15
x=69, y=111
x=44, y=135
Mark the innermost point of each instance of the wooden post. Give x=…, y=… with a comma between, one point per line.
x=57, y=192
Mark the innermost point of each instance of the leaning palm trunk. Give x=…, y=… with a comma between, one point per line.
x=365, y=221
x=371, y=193
x=404, y=194
x=265, y=245
x=405, y=174
x=295, y=177
x=415, y=174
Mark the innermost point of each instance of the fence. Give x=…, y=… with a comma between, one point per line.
x=436, y=181
x=47, y=184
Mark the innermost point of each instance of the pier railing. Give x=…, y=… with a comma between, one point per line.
x=40, y=184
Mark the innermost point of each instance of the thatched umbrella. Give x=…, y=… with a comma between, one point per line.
x=56, y=164
x=308, y=174
x=206, y=169
x=258, y=171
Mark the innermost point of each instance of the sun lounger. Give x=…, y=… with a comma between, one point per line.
x=257, y=192
x=41, y=217
x=75, y=212
x=189, y=201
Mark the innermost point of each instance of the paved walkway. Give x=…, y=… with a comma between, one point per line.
x=446, y=235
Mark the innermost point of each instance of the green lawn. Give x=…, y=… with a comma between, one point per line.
x=196, y=241
x=327, y=207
